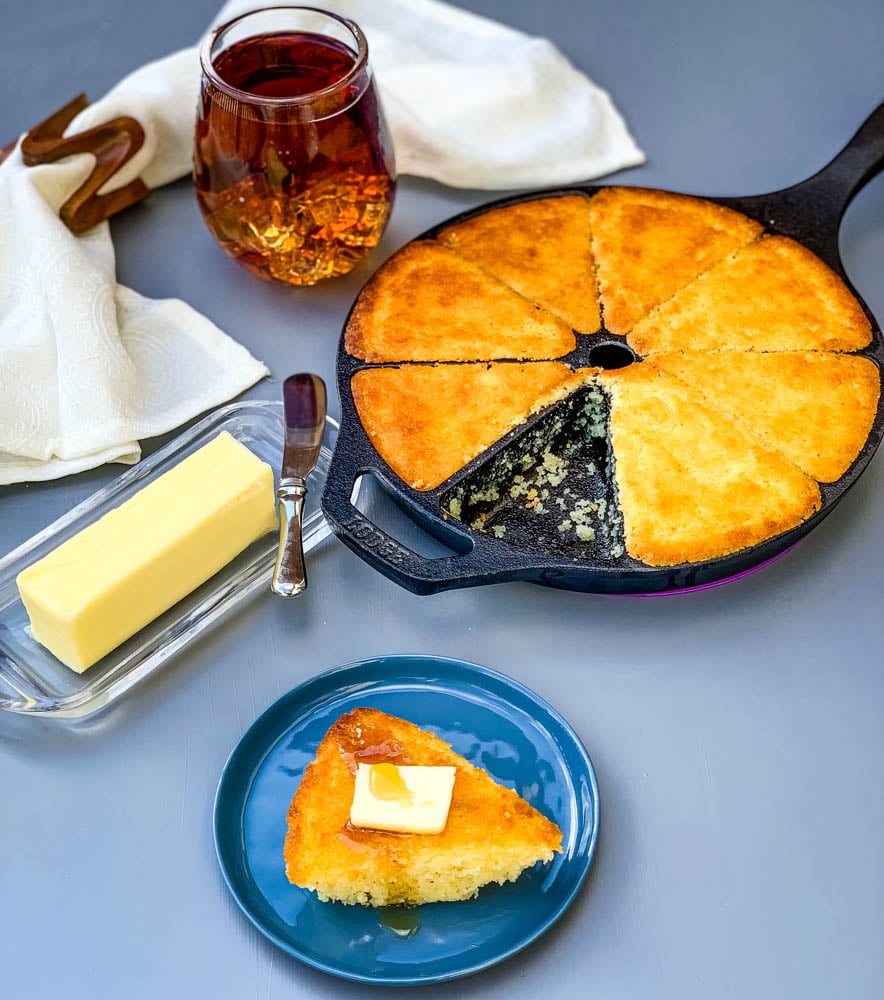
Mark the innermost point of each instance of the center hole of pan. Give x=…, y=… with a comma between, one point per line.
x=612, y=355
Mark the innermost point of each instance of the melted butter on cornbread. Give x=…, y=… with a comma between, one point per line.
x=408, y=799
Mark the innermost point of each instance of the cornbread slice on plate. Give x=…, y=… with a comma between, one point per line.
x=428, y=421
x=541, y=248
x=816, y=408
x=773, y=295
x=692, y=484
x=427, y=303
x=648, y=244
x=492, y=834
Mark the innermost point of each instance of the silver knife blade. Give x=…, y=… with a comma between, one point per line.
x=304, y=404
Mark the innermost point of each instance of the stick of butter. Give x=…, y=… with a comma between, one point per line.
x=115, y=576
x=407, y=798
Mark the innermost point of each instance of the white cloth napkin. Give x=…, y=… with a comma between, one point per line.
x=475, y=104
x=87, y=367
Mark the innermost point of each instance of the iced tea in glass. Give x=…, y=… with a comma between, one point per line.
x=293, y=163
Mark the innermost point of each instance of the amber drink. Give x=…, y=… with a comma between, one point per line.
x=293, y=164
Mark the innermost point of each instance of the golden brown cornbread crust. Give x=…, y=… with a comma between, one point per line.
x=491, y=835
x=430, y=304
x=751, y=333
x=428, y=421
x=541, y=248
x=773, y=295
x=791, y=401
x=712, y=487
x=648, y=244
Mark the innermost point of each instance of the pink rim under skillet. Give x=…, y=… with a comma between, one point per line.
x=712, y=583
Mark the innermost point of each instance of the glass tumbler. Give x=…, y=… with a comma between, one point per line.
x=293, y=162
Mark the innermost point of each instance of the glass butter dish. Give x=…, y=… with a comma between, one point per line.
x=34, y=682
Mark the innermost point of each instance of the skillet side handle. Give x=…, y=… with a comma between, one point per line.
x=401, y=564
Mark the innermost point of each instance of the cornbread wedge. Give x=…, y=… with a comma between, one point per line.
x=428, y=421
x=541, y=248
x=816, y=408
x=648, y=244
x=491, y=835
x=692, y=484
x=774, y=295
x=429, y=304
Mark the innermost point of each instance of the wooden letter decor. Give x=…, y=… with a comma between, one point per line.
x=112, y=144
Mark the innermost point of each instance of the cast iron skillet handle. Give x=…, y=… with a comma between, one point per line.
x=403, y=565
x=857, y=163
x=819, y=202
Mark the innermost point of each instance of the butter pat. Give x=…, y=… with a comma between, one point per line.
x=407, y=799
x=115, y=576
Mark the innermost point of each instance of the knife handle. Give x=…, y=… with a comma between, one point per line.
x=289, y=574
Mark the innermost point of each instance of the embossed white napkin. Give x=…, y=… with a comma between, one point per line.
x=88, y=367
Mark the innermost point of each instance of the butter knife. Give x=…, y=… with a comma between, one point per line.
x=303, y=403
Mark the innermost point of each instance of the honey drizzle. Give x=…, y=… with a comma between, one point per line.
x=374, y=753
x=367, y=751
x=402, y=920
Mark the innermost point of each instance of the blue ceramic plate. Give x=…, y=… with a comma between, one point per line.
x=491, y=720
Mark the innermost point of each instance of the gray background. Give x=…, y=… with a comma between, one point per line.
x=736, y=732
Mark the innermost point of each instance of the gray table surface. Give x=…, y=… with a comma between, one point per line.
x=736, y=732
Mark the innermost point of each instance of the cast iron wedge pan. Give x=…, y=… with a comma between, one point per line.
x=809, y=212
